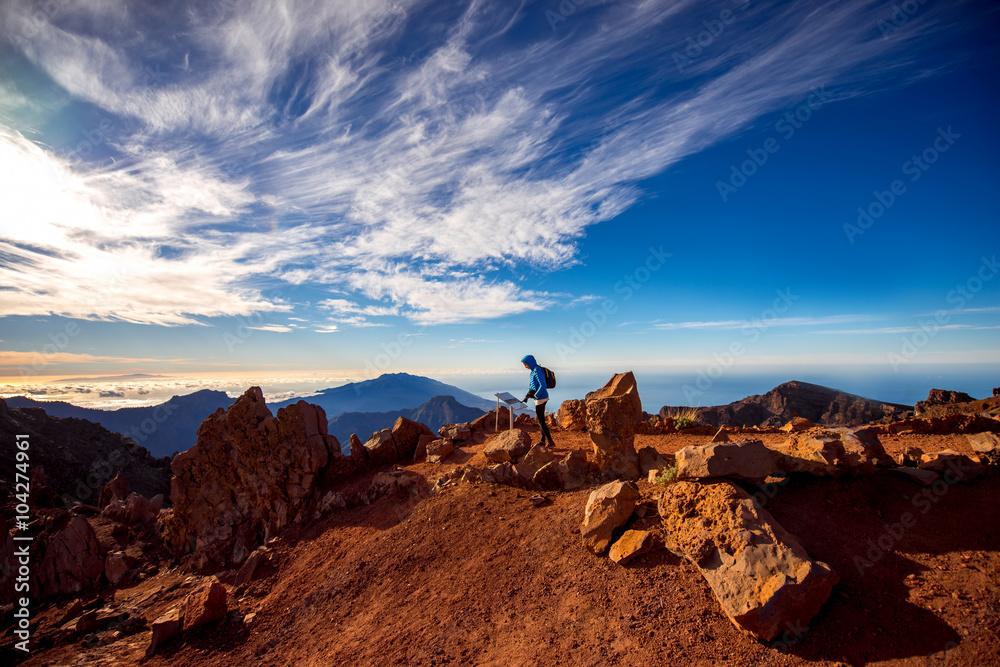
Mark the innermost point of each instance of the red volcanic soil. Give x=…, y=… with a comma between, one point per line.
x=477, y=575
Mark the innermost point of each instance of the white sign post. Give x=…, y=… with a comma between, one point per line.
x=512, y=402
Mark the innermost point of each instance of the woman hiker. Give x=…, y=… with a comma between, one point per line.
x=538, y=391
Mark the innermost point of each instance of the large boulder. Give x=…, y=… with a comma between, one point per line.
x=613, y=415
x=535, y=458
x=573, y=469
x=986, y=445
x=381, y=448
x=359, y=453
x=954, y=467
x=248, y=475
x=406, y=434
x=456, y=432
x=608, y=508
x=491, y=422
x=507, y=446
x=760, y=574
x=746, y=459
x=572, y=415
x=204, y=604
x=829, y=451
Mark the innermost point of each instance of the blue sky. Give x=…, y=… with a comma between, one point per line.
x=349, y=188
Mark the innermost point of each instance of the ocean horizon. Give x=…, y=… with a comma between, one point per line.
x=694, y=388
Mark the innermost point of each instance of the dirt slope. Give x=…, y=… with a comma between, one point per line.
x=476, y=575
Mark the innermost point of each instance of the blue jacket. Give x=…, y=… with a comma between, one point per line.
x=536, y=382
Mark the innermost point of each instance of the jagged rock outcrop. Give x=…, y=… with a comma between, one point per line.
x=613, y=415
x=248, y=476
x=941, y=397
x=763, y=579
x=818, y=404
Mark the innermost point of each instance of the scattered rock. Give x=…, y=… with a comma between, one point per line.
x=572, y=415
x=538, y=500
x=721, y=435
x=165, y=628
x=438, y=450
x=909, y=457
x=608, y=508
x=797, y=424
x=249, y=568
x=573, y=470
x=650, y=459
x=507, y=446
x=381, y=448
x=406, y=434
x=924, y=477
x=116, y=488
x=747, y=459
x=547, y=477
x=501, y=473
x=205, y=604
x=631, y=545
x=491, y=422
x=828, y=451
x=115, y=567
x=613, y=414
x=535, y=458
x=359, y=453
x=456, y=432
x=762, y=577
x=987, y=445
x=401, y=483
x=954, y=467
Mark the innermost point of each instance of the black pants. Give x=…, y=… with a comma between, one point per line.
x=540, y=413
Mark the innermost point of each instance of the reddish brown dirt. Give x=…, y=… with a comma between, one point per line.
x=476, y=575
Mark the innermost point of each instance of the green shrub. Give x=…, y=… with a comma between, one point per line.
x=667, y=476
x=685, y=418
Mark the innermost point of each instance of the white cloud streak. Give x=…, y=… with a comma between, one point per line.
x=300, y=142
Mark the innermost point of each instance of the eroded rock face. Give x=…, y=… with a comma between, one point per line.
x=66, y=557
x=747, y=459
x=760, y=574
x=572, y=415
x=942, y=397
x=247, y=477
x=613, y=415
x=608, y=508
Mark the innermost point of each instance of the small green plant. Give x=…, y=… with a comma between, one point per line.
x=685, y=418
x=667, y=476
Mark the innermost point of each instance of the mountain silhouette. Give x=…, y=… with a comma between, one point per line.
x=392, y=391
x=162, y=429
x=434, y=413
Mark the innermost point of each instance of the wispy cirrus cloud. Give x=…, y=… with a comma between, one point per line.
x=307, y=142
x=724, y=325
